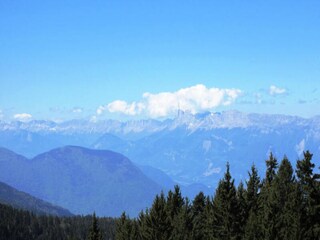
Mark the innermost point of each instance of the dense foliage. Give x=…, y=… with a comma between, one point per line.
x=283, y=205
x=21, y=225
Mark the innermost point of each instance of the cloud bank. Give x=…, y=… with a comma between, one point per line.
x=193, y=99
x=22, y=117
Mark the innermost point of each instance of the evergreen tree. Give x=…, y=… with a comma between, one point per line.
x=198, y=217
x=226, y=209
x=134, y=235
x=272, y=165
x=157, y=221
x=183, y=223
x=95, y=233
x=309, y=187
x=253, y=225
x=175, y=202
x=253, y=188
x=144, y=231
x=174, y=205
x=284, y=190
x=208, y=220
x=241, y=194
x=124, y=228
x=267, y=202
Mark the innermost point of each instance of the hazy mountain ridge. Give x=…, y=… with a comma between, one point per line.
x=208, y=120
x=15, y=198
x=81, y=180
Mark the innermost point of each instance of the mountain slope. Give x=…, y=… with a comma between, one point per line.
x=17, y=199
x=83, y=180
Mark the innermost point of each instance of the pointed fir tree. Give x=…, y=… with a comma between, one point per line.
x=284, y=192
x=253, y=189
x=174, y=205
x=183, y=223
x=226, y=209
x=175, y=202
x=95, y=233
x=157, y=222
x=143, y=228
x=309, y=187
x=272, y=165
x=208, y=219
x=243, y=216
x=253, y=228
x=267, y=212
x=197, y=215
x=123, y=228
x=134, y=235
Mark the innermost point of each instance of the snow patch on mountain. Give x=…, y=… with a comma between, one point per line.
x=206, y=145
x=300, y=147
x=211, y=170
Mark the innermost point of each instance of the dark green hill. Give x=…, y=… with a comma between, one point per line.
x=21, y=200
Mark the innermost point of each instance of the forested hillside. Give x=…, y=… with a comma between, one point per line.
x=23, y=225
x=285, y=204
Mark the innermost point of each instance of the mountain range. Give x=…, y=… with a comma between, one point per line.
x=190, y=148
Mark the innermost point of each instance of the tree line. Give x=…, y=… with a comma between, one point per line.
x=285, y=204
x=18, y=224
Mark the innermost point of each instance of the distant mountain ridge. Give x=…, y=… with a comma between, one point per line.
x=208, y=120
x=17, y=199
x=81, y=180
x=190, y=148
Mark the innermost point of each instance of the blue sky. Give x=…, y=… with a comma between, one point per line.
x=131, y=59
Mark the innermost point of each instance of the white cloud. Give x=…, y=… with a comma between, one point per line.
x=273, y=90
x=22, y=117
x=100, y=110
x=193, y=99
x=126, y=108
